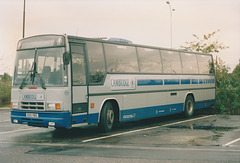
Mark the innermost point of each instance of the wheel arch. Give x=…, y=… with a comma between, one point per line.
x=116, y=108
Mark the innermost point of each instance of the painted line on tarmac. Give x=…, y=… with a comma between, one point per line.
x=9, y=132
x=5, y=120
x=231, y=142
x=149, y=128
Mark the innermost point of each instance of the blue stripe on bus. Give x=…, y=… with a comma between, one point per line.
x=206, y=81
x=194, y=81
x=144, y=82
x=61, y=119
x=204, y=104
x=146, y=112
x=171, y=82
x=185, y=81
x=152, y=82
x=156, y=111
x=76, y=119
x=150, y=112
x=91, y=118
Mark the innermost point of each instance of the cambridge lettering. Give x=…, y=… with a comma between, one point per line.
x=120, y=82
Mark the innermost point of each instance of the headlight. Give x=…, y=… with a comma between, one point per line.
x=54, y=106
x=14, y=105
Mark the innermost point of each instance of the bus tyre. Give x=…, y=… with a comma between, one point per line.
x=189, y=107
x=107, y=117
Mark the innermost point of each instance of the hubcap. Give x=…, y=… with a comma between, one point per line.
x=110, y=118
x=189, y=106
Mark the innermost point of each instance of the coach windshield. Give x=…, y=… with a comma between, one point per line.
x=40, y=67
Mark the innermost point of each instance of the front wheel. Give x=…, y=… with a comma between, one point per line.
x=189, y=107
x=107, y=117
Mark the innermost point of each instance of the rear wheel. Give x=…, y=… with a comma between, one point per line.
x=107, y=118
x=189, y=106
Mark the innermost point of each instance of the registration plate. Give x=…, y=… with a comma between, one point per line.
x=32, y=97
x=32, y=115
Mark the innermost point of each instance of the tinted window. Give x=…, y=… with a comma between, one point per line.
x=171, y=62
x=205, y=64
x=149, y=60
x=121, y=58
x=78, y=65
x=96, y=62
x=189, y=63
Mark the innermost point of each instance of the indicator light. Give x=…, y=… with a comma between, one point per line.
x=57, y=106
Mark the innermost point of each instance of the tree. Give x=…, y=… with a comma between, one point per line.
x=227, y=85
x=5, y=89
x=226, y=95
x=5, y=77
x=205, y=44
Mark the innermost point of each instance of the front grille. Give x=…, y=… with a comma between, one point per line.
x=32, y=105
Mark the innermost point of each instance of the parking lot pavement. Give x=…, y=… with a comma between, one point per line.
x=4, y=108
x=215, y=130
x=203, y=138
x=4, y=114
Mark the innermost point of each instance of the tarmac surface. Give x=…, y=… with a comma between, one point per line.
x=202, y=138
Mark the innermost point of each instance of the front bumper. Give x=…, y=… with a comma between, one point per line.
x=59, y=119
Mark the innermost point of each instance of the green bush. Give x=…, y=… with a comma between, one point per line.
x=235, y=82
x=5, y=90
x=227, y=89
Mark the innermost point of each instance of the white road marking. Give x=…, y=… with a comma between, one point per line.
x=231, y=142
x=189, y=120
x=5, y=120
x=149, y=128
x=9, y=132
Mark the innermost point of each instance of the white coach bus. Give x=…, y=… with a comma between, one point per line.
x=61, y=81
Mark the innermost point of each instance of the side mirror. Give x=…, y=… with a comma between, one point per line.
x=66, y=58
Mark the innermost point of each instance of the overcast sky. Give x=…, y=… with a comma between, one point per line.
x=141, y=21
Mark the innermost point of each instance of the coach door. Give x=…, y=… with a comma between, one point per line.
x=79, y=81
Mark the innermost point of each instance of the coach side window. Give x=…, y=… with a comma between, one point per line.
x=171, y=62
x=78, y=65
x=96, y=62
x=189, y=63
x=205, y=64
x=121, y=58
x=149, y=60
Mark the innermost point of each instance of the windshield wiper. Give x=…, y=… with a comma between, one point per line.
x=41, y=80
x=21, y=86
x=34, y=73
